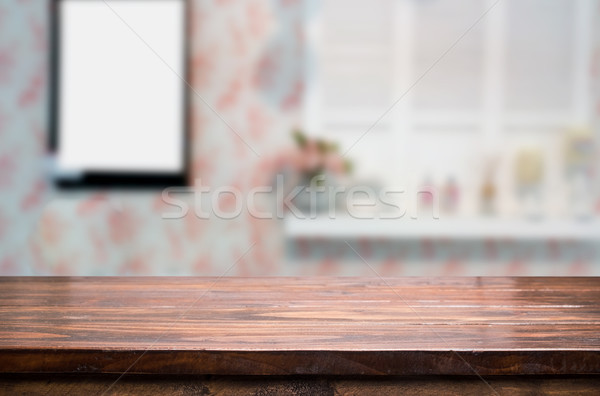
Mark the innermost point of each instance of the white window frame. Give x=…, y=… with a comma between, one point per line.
x=494, y=121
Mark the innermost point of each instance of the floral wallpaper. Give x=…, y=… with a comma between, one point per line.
x=247, y=64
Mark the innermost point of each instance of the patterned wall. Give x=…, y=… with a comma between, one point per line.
x=247, y=64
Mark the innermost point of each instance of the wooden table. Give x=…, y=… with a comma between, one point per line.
x=299, y=335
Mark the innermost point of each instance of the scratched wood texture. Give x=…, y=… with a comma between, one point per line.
x=300, y=326
x=296, y=386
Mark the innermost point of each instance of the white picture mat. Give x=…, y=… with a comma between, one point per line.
x=121, y=108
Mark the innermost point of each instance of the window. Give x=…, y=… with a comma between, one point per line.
x=465, y=89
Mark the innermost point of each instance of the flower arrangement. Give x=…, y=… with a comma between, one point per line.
x=314, y=157
x=311, y=162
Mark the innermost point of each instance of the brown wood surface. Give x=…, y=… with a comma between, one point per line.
x=282, y=326
x=49, y=385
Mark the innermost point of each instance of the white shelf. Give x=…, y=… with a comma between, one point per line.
x=348, y=227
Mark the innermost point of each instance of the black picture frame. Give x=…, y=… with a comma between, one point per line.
x=111, y=179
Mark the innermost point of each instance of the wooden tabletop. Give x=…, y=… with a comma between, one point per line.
x=281, y=326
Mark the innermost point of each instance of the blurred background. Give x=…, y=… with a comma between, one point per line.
x=483, y=116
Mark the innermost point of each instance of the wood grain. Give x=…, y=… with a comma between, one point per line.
x=296, y=386
x=301, y=326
